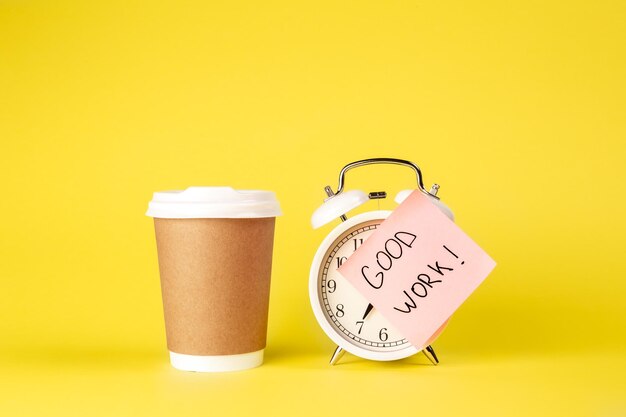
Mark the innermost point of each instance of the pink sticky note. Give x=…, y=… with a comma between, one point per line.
x=417, y=268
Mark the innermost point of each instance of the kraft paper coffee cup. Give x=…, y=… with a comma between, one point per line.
x=214, y=247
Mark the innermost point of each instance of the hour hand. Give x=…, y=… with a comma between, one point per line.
x=369, y=308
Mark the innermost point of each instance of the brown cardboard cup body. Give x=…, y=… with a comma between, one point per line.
x=215, y=282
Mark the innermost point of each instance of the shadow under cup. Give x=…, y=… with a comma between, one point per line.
x=215, y=276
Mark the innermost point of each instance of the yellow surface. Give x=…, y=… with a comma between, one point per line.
x=516, y=108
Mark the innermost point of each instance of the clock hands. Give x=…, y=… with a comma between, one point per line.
x=369, y=308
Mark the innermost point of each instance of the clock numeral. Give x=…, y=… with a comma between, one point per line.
x=341, y=260
x=360, y=324
x=340, y=312
x=332, y=286
x=357, y=242
x=382, y=334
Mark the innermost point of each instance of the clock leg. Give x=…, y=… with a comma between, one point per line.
x=337, y=355
x=429, y=352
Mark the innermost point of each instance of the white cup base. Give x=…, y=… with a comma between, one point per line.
x=217, y=363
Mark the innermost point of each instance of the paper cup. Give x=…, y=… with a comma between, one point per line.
x=214, y=247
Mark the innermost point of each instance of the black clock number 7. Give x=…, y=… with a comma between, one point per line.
x=360, y=324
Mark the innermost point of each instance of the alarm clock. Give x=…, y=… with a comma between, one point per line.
x=346, y=317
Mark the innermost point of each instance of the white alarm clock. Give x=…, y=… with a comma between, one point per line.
x=343, y=313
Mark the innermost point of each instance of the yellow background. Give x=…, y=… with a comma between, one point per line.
x=516, y=108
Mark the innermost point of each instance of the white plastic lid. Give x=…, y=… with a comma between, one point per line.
x=213, y=202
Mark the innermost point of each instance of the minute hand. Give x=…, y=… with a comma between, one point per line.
x=369, y=308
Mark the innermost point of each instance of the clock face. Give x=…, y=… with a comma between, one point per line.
x=359, y=329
